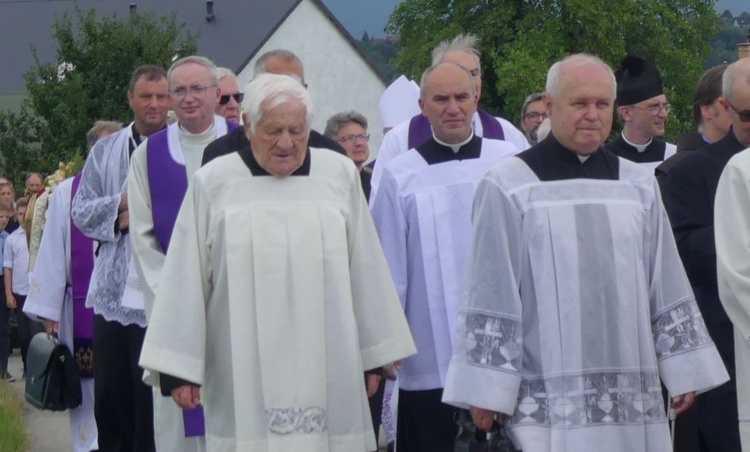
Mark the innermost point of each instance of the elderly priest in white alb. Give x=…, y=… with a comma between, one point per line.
x=276, y=301
x=575, y=302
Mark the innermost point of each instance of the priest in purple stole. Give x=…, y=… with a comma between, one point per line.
x=159, y=172
x=408, y=135
x=57, y=295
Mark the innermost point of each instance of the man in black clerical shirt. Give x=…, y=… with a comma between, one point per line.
x=643, y=110
x=690, y=192
x=280, y=62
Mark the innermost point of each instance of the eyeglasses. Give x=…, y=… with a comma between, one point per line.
x=534, y=116
x=224, y=99
x=656, y=109
x=195, y=91
x=744, y=114
x=353, y=138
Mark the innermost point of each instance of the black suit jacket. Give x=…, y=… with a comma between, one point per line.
x=690, y=191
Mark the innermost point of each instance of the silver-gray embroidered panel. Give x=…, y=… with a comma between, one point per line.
x=679, y=329
x=285, y=421
x=491, y=341
x=590, y=399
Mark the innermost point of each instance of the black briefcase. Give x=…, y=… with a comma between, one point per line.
x=52, y=380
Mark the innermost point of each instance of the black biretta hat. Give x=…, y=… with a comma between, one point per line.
x=637, y=81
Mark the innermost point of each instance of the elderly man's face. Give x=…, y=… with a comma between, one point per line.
x=6, y=194
x=581, y=111
x=354, y=139
x=641, y=120
x=229, y=106
x=449, y=103
x=33, y=183
x=466, y=61
x=739, y=109
x=279, y=142
x=193, y=96
x=149, y=101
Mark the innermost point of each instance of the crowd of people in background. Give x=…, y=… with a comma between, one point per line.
x=228, y=278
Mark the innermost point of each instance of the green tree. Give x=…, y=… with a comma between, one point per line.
x=95, y=56
x=521, y=38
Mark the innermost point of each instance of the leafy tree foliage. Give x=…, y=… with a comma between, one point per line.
x=724, y=46
x=382, y=53
x=88, y=81
x=521, y=38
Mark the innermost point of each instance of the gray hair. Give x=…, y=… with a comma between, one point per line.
x=530, y=99
x=195, y=59
x=466, y=43
x=268, y=91
x=284, y=55
x=578, y=59
x=339, y=120
x=733, y=72
x=429, y=70
x=222, y=72
x=92, y=136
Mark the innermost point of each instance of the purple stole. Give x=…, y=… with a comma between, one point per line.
x=81, y=267
x=168, y=183
x=420, y=130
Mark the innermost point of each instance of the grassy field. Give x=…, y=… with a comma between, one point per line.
x=13, y=436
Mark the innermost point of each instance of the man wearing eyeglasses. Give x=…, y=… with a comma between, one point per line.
x=533, y=112
x=231, y=97
x=350, y=131
x=157, y=182
x=643, y=110
x=726, y=158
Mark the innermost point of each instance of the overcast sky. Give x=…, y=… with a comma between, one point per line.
x=359, y=16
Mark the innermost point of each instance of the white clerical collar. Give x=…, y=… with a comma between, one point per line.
x=454, y=147
x=638, y=147
x=583, y=158
x=190, y=134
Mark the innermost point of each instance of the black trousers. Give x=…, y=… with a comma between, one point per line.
x=425, y=424
x=376, y=407
x=123, y=404
x=27, y=328
x=4, y=335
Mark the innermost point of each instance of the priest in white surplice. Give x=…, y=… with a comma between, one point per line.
x=575, y=301
x=423, y=218
x=157, y=181
x=275, y=295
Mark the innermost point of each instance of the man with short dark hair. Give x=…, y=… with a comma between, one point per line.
x=533, y=112
x=575, y=303
x=280, y=62
x=643, y=110
x=710, y=116
x=123, y=404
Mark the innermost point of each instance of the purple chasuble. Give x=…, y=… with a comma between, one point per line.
x=420, y=130
x=81, y=267
x=168, y=183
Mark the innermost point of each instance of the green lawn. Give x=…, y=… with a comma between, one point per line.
x=13, y=437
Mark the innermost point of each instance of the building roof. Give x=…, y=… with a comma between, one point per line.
x=237, y=30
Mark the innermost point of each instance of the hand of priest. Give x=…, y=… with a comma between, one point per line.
x=372, y=383
x=681, y=403
x=484, y=419
x=187, y=396
x=50, y=326
x=123, y=215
